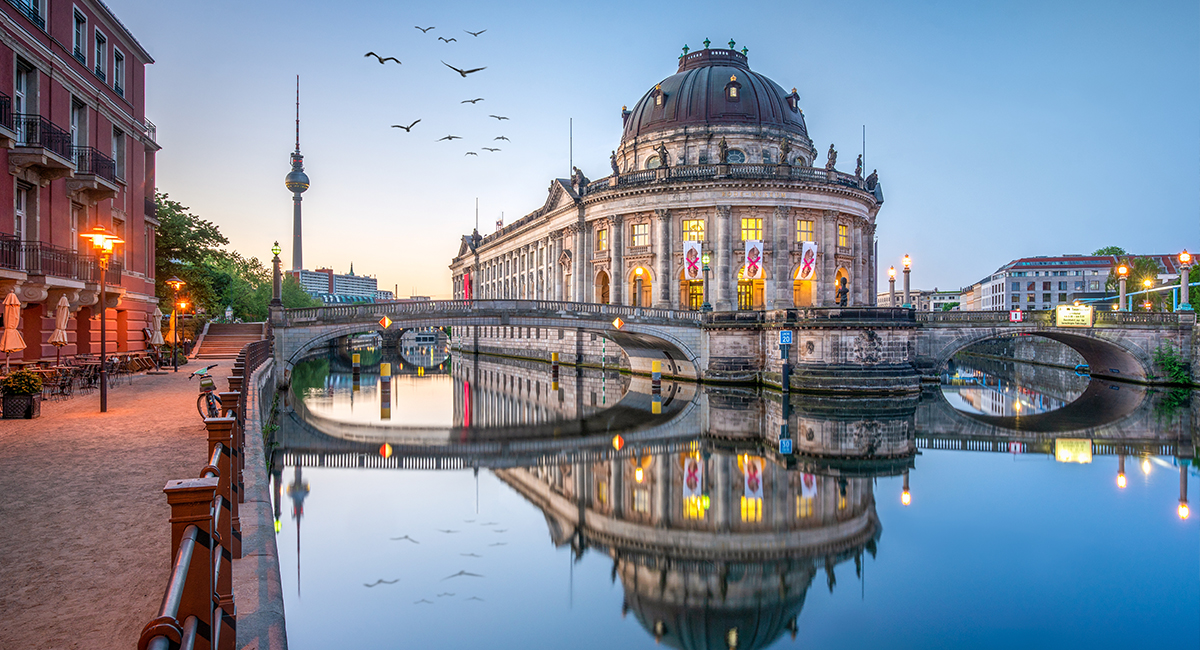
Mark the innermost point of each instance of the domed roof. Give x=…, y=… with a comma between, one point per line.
x=715, y=87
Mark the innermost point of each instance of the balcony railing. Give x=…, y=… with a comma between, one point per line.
x=151, y=208
x=79, y=56
x=740, y=171
x=100, y=74
x=6, y=115
x=31, y=12
x=151, y=131
x=41, y=258
x=37, y=131
x=89, y=160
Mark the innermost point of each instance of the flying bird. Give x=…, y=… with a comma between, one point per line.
x=444, y=593
x=499, y=544
x=406, y=128
x=450, y=137
x=470, y=153
x=463, y=573
x=427, y=602
x=502, y=530
x=446, y=531
x=382, y=58
x=468, y=521
x=490, y=149
x=469, y=555
x=499, y=117
x=475, y=598
x=500, y=137
x=491, y=523
x=471, y=101
x=464, y=73
x=396, y=539
x=475, y=34
x=424, y=30
x=448, y=40
x=382, y=582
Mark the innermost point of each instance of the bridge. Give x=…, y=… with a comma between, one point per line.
x=849, y=350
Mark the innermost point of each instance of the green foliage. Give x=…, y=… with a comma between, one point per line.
x=1140, y=270
x=1110, y=250
x=22, y=382
x=949, y=306
x=1171, y=364
x=307, y=375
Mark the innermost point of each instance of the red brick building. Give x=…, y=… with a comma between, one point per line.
x=79, y=153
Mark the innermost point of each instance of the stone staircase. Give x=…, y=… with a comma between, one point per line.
x=226, y=340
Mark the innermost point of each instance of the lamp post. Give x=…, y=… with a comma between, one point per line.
x=1122, y=276
x=1149, y=284
x=277, y=278
x=175, y=283
x=1183, y=504
x=707, y=306
x=102, y=243
x=907, y=271
x=1185, y=263
x=637, y=296
x=892, y=287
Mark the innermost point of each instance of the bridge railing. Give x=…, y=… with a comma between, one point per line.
x=1046, y=317
x=467, y=307
x=815, y=315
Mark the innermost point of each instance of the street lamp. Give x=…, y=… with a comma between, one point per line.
x=905, y=495
x=277, y=278
x=175, y=283
x=102, y=243
x=892, y=286
x=1148, y=283
x=907, y=270
x=1183, y=504
x=1122, y=275
x=637, y=297
x=1185, y=263
x=1121, y=482
x=707, y=306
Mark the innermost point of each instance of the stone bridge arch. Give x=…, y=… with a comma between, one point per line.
x=1115, y=354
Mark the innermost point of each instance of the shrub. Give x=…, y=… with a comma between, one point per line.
x=1171, y=364
x=22, y=382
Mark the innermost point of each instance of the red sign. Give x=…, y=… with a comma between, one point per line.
x=1016, y=316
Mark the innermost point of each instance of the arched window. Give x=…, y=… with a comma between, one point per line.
x=736, y=157
x=733, y=89
x=654, y=162
x=659, y=96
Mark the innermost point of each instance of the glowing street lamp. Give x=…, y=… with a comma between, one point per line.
x=175, y=283
x=892, y=286
x=1122, y=275
x=1121, y=471
x=1183, y=504
x=707, y=306
x=277, y=278
x=907, y=270
x=905, y=495
x=1149, y=284
x=637, y=296
x=1185, y=263
x=102, y=243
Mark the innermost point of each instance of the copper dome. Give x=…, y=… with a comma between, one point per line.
x=699, y=94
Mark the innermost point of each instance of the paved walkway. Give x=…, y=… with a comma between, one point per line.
x=84, y=534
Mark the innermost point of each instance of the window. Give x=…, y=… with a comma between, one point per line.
x=653, y=162
x=751, y=509
x=1015, y=299
x=118, y=72
x=641, y=500
x=1046, y=286
x=693, y=230
x=1031, y=298
x=733, y=89
x=79, y=36
x=20, y=205
x=601, y=240
x=1062, y=286
x=804, y=230
x=641, y=234
x=118, y=152
x=843, y=236
x=736, y=157
x=1062, y=297
x=1016, y=286
x=1093, y=285
x=1079, y=286
x=751, y=229
x=1031, y=286
x=101, y=45
x=1045, y=297
x=119, y=231
x=804, y=507
x=78, y=123
x=76, y=212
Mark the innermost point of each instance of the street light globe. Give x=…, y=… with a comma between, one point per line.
x=1123, y=270
x=892, y=273
x=907, y=262
x=276, y=250
x=175, y=283
x=1121, y=482
x=1185, y=257
x=1183, y=510
x=905, y=497
x=639, y=272
x=1148, y=283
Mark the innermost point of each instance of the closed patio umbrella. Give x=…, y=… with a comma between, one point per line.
x=11, y=340
x=156, y=337
x=62, y=313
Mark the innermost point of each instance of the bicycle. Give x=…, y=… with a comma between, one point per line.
x=207, y=403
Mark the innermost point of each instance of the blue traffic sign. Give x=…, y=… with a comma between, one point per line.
x=785, y=447
x=785, y=337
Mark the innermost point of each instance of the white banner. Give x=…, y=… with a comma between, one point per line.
x=693, y=261
x=808, y=486
x=754, y=478
x=753, y=267
x=693, y=477
x=808, y=261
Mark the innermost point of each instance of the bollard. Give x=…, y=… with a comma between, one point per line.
x=355, y=361
x=385, y=391
x=656, y=387
x=553, y=371
x=236, y=382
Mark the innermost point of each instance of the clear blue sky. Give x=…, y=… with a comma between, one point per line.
x=999, y=129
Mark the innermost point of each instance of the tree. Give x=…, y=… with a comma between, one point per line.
x=1111, y=250
x=949, y=306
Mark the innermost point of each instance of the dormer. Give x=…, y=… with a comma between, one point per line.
x=793, y=101
x=658, y=96
x=733, y=89
x=625, y=113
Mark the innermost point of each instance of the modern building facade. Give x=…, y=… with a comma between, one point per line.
x=714, y=162
x=80, y=153
x=1032, y=283
x=330, y=287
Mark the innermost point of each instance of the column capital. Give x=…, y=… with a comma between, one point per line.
x=617, y=219
x=662, y=214
x=724, y=210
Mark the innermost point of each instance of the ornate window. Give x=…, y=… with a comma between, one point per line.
x=602, y=240
x=804, y=230
x=751, y=229
x=693, y=230
x=843, y=236
x=733, y=89
x=659, y=96
x=736, y=157
x=653, y=162
x=641, y=234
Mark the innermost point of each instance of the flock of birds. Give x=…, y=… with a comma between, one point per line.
x=463, y=72
x=461, y=574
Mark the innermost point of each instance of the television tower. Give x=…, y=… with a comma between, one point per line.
x=297, y=182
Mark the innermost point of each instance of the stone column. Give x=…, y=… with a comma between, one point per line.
x=779, y=285
x=578, y=264
x=616, y=254
x=721, y=270
x=556, y=250
x=828, y=270
x=662, y=260
x=858, y=275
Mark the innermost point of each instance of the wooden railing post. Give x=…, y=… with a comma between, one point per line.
x=231, y=402
x=191, y=502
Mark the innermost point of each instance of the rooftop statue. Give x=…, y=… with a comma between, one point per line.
x=612, y=160
x=663, y=156
x=723, y=152
x=832, y=158
x=858, y=167
x=785, y=150
x=873, y=179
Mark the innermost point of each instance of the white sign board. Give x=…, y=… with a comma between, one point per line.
x=1016, y=316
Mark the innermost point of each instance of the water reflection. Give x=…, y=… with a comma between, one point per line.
x=989, y=386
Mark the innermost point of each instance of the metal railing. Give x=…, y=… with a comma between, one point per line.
x=151, y=208
x=151, y=131
x=6, y=114
x=31, y=12
x=41, y=258
x=738, y=170
x=451, y=308
x=100, y=74
x=36, y=131
x=89, y=160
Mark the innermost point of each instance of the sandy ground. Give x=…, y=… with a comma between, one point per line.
x=84, y=533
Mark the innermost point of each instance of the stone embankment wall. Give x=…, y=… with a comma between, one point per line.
x=574, y=346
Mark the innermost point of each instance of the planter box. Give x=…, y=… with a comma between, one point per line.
x=22, y=407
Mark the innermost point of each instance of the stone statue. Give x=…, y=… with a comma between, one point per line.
x=843, y=294
x=612, y=160
x=832, y=158
x=723, y=152
x=873, y=179
x=858, y=167
x=579, y=181
x=663, y=156
x=785, y=151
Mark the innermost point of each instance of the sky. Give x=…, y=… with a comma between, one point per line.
x=1000, y=129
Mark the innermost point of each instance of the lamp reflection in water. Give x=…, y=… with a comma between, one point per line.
x=905, y=496
x=1121, y=471
x=1146, y=465
x=1183, y=504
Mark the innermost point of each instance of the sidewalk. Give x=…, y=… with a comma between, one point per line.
x=84, y=532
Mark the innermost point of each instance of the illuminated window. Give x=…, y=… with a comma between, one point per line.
x=841, y=502
x=751, y=509
x=693, y=508
x=804, y=230
x=751, y=229
x=601, y=486
x=693, y=230
x=602, y=240
x=641, y=234
x=732, y=89
x=843, y=236
x=641, y=500
x=804, y=507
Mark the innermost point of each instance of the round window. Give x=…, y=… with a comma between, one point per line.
x=736, y=157
x=653, y=162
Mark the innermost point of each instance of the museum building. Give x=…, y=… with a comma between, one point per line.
x=715, y=177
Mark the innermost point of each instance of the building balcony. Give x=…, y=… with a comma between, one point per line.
x=80, y=57
x=8, y=136
x=95, y=177
x=100, y=74
x=41, y=147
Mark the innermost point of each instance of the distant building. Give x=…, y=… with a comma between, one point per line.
x=382, y=295
x=921, y=299
x=330, y=287
x=1031, y=283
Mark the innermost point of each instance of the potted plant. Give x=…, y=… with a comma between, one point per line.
x=22, y=395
